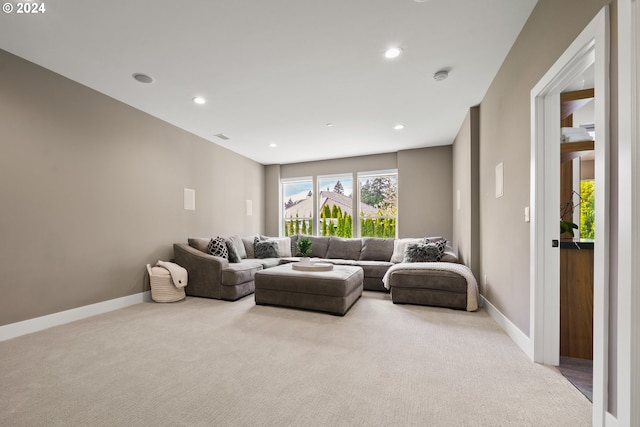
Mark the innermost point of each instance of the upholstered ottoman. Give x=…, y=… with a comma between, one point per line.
x=333, y=291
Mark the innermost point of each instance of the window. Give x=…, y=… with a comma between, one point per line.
x=378, y=205
x=335, y=205
x=347, y=205
x=587, y=204
x=297, y=207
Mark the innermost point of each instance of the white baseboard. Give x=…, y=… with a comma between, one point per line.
x=17, y=329
x=521, y=340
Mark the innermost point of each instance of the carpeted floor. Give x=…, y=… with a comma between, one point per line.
x=214, y=363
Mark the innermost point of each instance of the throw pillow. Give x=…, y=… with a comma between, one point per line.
x=218, y=247
x=238, y=244
x=422, y=252
x=284, y=244
x=439, y=242
x=266, y=249
x=233, y=254
x=399, y=247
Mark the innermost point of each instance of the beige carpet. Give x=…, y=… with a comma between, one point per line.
x=213, y=363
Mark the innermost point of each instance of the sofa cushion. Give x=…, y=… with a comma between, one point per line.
x=399, y=247
x=319, y=246
x=422, y=252
x=449, y=255
x=199, y=243
x=239, y=246
x=374, y=269
x=236, y=274
x=233, y=254
x=218, y=247
x=376, y=249
x=248, y=242
x=266, y=249
x=342, y=248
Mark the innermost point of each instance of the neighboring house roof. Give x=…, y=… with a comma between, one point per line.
x=304, y=208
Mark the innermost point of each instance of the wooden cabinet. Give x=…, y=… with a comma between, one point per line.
x=576, y=300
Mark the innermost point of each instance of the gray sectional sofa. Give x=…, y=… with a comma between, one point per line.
x=216, y=277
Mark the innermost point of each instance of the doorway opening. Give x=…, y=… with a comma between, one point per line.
x=577, y=231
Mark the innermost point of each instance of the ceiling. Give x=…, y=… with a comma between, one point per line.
x=277, y=72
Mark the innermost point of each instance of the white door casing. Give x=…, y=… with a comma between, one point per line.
x=591, y=47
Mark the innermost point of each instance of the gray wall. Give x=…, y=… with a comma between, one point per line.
x=91, y=190
x=505, y=135
x=424, y=192
x=466, y=188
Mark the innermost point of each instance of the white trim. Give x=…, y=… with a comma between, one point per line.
x=509, y=328
x=17, y=329
x=628, y=348
x=590, y=47
x=610, y=420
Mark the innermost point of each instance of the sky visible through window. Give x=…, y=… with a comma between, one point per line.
x=330, y=182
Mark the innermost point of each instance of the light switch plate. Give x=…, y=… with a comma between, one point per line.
x=526, y=214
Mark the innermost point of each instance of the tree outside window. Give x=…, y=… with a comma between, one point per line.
x=335, y=203
x=298, y=207
x=378, y=204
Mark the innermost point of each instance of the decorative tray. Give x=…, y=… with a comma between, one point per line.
x=312, y=266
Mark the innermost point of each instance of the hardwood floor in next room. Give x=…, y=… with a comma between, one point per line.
x=579, y=372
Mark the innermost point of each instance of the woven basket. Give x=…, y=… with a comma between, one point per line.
x=162, y=288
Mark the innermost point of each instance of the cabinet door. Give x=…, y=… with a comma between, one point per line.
x=576, y=303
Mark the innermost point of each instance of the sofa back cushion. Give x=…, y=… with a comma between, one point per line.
x=199, y=243
x=248, y=242
x=319, y=246
x=376, y=249
x=341, y=248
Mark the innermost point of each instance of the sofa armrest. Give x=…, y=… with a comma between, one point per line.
x=204, y=270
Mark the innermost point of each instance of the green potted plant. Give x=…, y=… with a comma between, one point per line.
x=303, y=245
x=566, y=212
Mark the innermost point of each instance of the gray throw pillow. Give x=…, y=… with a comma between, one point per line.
x=266, y=249
x=422, y=252
x=238, y=245
x=218, y=247
x=233, y=254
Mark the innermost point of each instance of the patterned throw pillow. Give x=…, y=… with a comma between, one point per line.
x=422, y=252
x=440, y=243
x=218, y=247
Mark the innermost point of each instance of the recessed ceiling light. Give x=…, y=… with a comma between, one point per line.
x=142, y=78
x=392, y=52
x=199, y=100
x=273, y=145
x=440, y=75
x=329, y=125
x=399, y=126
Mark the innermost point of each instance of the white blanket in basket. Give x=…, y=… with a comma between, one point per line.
x=178, y=273
x=461, y=269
